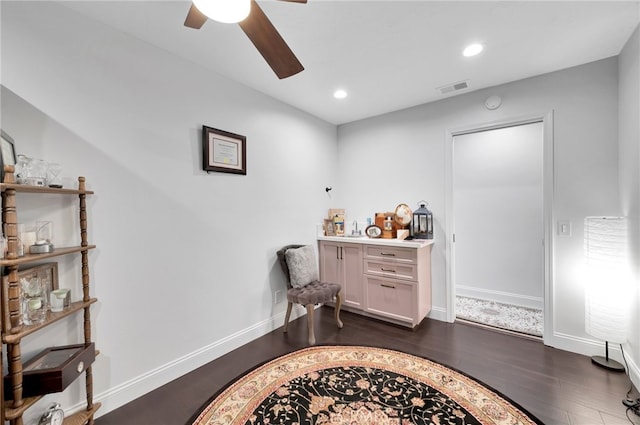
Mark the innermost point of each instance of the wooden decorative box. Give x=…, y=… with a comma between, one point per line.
x=53, y=369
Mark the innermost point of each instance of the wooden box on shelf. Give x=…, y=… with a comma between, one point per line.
x=53, y=369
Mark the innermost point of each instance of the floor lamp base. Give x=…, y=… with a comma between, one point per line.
x=606, y=363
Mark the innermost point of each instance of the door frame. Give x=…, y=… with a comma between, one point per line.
x=548, y=189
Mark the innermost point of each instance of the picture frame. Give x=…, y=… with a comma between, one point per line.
x=45, y=270
x=329, y=227
x=7, y=152
x=223, y=151
x=373, y=231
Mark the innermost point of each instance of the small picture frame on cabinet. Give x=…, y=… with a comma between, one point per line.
x=373, y=231
x=7, y=152
x=329, y=227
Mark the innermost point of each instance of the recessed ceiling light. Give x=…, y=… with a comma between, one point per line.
x=340, y=94
x=472, y=49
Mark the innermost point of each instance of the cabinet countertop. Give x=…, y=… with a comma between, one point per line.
x=413, y=243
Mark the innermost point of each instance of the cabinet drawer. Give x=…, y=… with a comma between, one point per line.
x=391, y=298
x=390, y=269
x=404, y=255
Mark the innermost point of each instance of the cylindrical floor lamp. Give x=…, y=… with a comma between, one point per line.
x=607, y=294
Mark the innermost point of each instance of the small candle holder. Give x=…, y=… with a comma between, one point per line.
x=33, y=304
x=60, y=299
x=44, y=236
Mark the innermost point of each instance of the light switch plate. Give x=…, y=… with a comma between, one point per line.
x=564, y=228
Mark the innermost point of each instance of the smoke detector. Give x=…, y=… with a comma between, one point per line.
x=493, y=102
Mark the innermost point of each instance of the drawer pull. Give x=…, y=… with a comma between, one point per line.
x=387, y=286
x=388, y=270
x=388, y=254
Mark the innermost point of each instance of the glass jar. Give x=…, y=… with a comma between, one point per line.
x=37, y=175
x=34, y=306
x=22, y=169
x=53, y=174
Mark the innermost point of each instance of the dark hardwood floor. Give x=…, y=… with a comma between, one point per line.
x=556, y=386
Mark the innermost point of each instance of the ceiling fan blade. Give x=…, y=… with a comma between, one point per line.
x=295, y=1
x=195, y=18
x=270, y=43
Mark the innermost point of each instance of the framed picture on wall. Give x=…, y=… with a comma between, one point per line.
x=7, y=152
x=223, y=151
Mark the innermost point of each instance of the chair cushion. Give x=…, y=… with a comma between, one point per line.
x=314, y=293
x=303, y=268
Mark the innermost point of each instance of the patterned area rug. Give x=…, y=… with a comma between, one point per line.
x=331, y=385
x=504, y=316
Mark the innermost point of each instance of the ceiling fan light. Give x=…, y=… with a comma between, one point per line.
x=227, y=11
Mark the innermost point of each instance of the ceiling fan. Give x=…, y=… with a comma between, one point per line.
x=262, y=34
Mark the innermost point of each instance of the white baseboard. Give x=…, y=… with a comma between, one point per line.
x=499, y=296
x=438, y=313
x=590, y=348
x=634, y=371
x=122, y=394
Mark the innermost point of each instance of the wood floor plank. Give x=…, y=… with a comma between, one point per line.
x=558, y=387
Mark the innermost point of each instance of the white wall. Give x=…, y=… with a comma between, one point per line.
x=185, y=267
x=400, y=157
x=629, y=136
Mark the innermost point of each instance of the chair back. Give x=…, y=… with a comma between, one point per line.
x=282, y=258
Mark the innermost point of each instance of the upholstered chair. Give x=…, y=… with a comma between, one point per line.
x=300, y=269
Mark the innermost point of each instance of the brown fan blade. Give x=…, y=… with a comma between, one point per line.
x=270, y=43
x=195, y=18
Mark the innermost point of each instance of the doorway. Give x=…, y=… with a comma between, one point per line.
x=498, y=227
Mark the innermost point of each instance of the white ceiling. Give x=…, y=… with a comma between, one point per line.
x=388, y=55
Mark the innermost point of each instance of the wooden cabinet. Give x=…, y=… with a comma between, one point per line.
x=13, y=329
x=387, y=279
x=342, y=263
x=391, y=298
x=398, y=282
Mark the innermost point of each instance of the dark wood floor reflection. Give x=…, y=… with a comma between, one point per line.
x=557, y=386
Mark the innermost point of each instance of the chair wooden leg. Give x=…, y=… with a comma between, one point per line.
x=337, y=309
x=312, y=336
x=287, y=316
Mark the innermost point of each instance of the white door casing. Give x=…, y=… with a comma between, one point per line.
x=547, y=209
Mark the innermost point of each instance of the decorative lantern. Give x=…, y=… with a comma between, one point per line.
x=422, y=223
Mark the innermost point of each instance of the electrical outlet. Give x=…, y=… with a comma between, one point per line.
x=277, y=297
